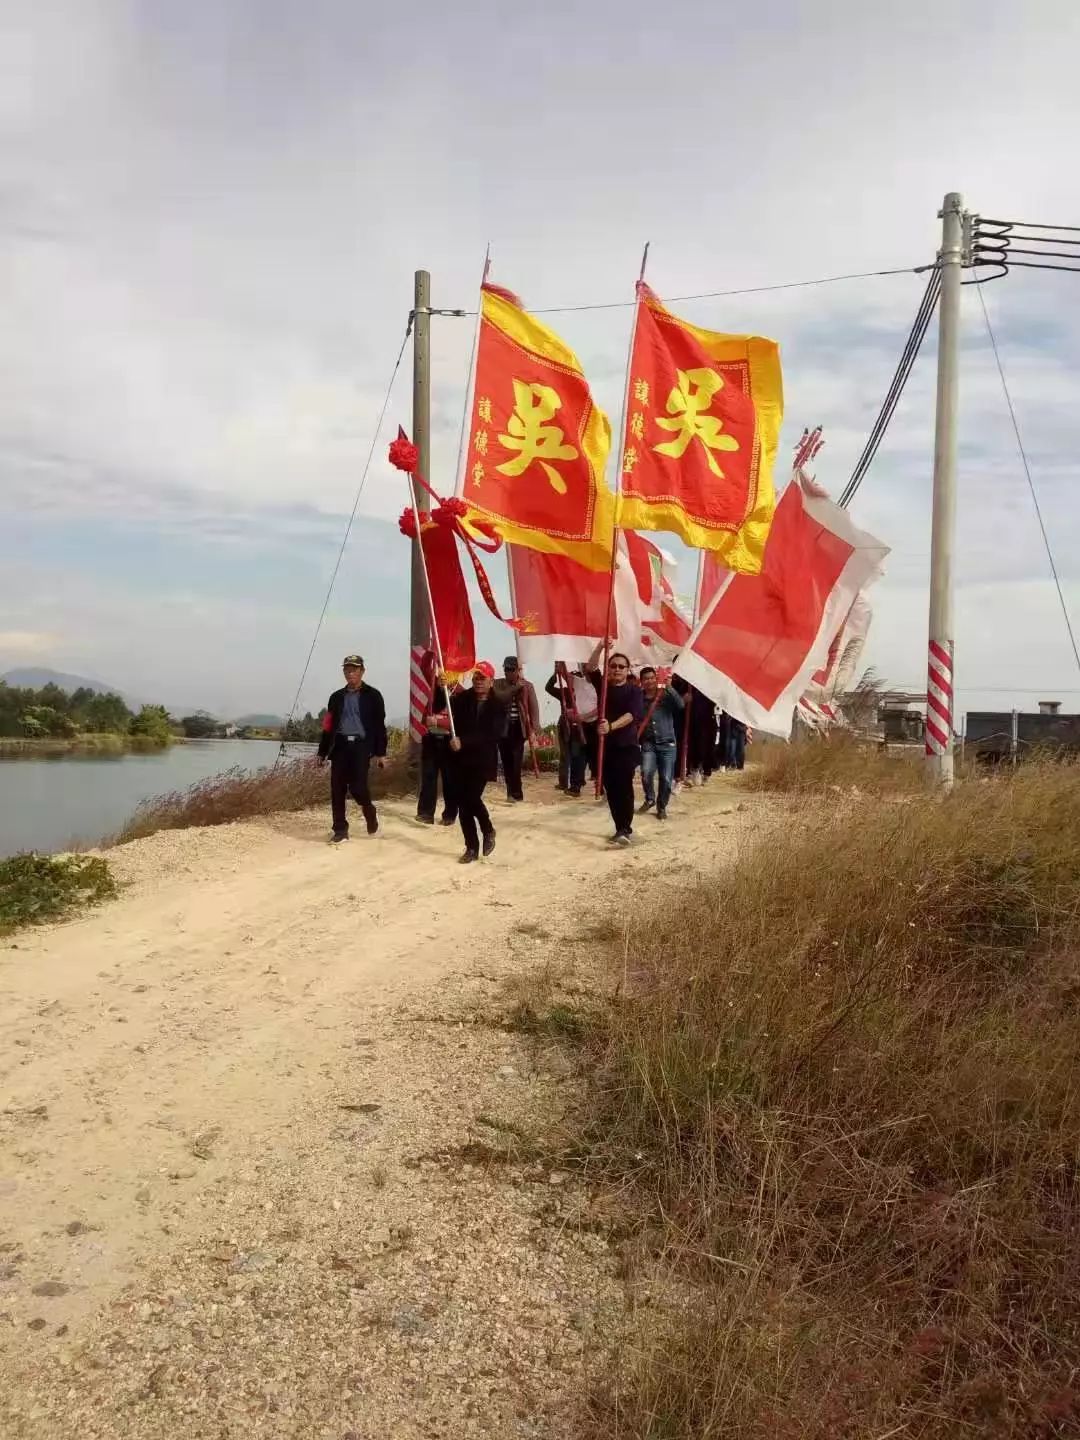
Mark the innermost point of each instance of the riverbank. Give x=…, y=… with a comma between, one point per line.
x=14, y=747
x=269, y=1133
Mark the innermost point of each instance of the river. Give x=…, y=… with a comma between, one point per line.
x=47, y=802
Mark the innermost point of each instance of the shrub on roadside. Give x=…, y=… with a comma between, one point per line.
x=845, y=1080
x=820, y=764
x=36, y=888
x=244, y=794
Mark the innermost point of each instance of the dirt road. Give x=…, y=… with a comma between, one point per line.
x=234, y=1106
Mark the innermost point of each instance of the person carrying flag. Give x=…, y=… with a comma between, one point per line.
x=479, y=723
x=435, y=761
x=658, y=732
x=624, y=711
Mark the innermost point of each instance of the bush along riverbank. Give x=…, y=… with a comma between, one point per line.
x=839, y=1079
x=38, y=888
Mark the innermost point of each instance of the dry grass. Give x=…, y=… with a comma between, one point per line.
x=822, y=765
x=844, y=1082
x=245, y=794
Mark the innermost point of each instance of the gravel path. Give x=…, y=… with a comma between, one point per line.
x=266, y=1165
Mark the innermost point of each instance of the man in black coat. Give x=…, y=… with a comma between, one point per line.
x=353, y=734
x=435, y=760
x=479, y=723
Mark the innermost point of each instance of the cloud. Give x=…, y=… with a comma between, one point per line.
x=210, y=218
x=19, y=644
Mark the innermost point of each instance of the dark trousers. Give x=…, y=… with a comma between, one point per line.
x=435, y=765
x=736, y=745
x=511, y=752
x=349, y=764
x=702, y=754
x=620, y=763
x=573, y=756
x=472, y=812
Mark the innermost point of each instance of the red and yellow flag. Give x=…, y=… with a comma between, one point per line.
x=702, y=423
x=537, y=444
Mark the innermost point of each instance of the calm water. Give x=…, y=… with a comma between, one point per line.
x=46, y=802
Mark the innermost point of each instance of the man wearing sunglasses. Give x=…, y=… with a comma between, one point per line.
x=624, y=711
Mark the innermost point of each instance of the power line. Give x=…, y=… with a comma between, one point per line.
x=913, y=344
x=1031, y=483
x=716, y=294
x=348, y=528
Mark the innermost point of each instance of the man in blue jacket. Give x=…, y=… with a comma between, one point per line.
x=659, y=741
x=353, y=734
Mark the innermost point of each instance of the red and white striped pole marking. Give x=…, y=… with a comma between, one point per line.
x=939, y=699
x=419, y=693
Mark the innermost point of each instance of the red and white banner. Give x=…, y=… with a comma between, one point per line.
x=664, y=622
x=817, y=705
x=561, y=605
x=762, y=637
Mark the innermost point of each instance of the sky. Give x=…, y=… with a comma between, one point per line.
x=210, y=216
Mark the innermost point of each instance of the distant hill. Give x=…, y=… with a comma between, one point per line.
x=260, y=722
x=36, y=678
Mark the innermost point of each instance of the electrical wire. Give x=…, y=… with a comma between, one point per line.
x=348, y=532
x=1031, y=483
x=718, y=294
x=913, y=344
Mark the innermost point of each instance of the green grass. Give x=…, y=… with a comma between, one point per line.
x=38, y=888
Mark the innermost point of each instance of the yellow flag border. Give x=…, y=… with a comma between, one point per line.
x=524, y=331
x=742, y=549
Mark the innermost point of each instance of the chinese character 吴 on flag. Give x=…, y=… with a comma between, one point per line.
x=537, y=444
x=702, y=424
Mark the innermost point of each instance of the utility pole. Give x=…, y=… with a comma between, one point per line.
x=939, y=688
x=420, y=618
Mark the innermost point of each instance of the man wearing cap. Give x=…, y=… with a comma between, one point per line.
x=518, y=698
x=353, y=734
x=479, y=725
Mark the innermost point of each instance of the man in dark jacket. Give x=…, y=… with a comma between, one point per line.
x=663, y=718
x=435, y=761
x=479, y=723
x=518, y=698
x=353, y=734
x=624, y=711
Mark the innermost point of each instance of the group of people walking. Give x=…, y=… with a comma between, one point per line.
x=660, y=729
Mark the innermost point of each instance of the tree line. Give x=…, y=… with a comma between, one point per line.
x=54, y=714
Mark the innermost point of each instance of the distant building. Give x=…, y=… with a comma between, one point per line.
x=902, y=717
x=998, y=734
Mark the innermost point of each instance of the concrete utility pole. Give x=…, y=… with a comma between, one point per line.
x=939, y=690
x=420, y=617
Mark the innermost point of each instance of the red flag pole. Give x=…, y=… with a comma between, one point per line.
x=609, y=615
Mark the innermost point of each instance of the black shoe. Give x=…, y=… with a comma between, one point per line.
x=516, y=799
x=426, y=819
x=489, y=842
x=469, y=857
x=338, y=836
x=645, y=807
x=661, y=814
x=448, y=820
x=372, y=823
